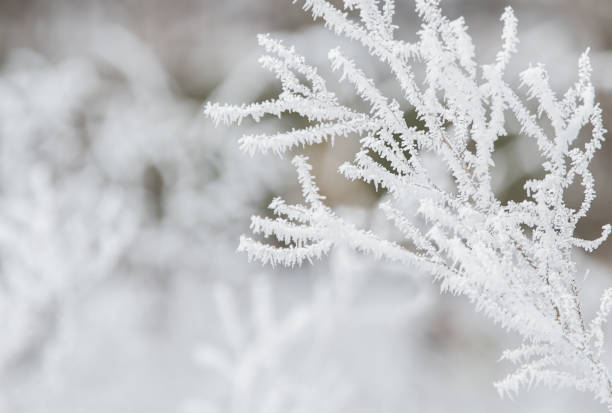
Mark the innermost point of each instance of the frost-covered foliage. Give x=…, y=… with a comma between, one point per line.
x=274, y=356
x=266, y=361
x=512, y=260
x=107, y=200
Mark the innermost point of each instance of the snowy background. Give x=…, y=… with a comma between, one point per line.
x=121, y=208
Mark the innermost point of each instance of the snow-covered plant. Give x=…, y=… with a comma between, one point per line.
x=512, y=260
x=268, y=359
x=268, y=356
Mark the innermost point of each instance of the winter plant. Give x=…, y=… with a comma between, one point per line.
x=263, y=345
x=513, y=260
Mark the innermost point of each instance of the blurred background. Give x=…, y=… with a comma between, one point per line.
x=121, y=208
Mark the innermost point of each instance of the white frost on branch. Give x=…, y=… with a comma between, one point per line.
x=513, y=260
